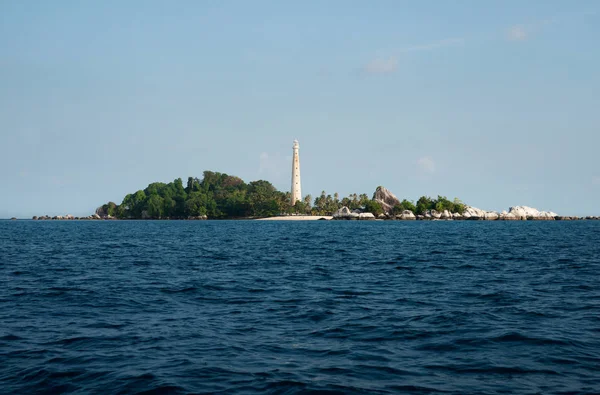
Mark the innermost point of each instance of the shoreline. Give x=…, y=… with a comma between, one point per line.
x=308, y=218
x=298, y=218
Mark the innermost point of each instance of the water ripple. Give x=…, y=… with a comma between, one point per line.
x=291, y=308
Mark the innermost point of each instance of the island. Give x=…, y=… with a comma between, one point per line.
x=222, y=196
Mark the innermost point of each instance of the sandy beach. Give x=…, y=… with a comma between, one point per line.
x=296, y=218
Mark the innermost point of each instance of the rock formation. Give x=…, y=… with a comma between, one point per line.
x=366, y=216
x=199, y=217
x=473, y=213
x=434, y=214
x=524, y=212
x=386, y=198
x=406, y=215
x=345, y=213
x=504, y=216
x=491, y=216
x=446, y=215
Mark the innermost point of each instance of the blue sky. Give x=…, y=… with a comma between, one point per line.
x=495, y=102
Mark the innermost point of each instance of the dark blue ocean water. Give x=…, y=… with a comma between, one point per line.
x=295, y=307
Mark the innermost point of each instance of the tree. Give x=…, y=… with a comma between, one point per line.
x=154, y=206
x=321, y=203
x=308, y=201
x=404, y=205
x=196, y=204
x=263, y=199
x=110, y=208
x=299, y=207
x=459, y=206
x=423, y=204
x=168, y=207
x=363, y=199
x=190, y=185
x=374, y=207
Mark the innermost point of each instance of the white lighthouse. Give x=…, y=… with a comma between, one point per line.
x=296, y=186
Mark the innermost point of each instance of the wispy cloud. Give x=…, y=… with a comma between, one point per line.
x=382, y=66
x=517, y=33
x=426, y=165
x=447, y=42
x=596, y=180
x=386, y=65
x=522, y=32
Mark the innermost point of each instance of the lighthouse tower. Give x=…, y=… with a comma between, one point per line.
x=296, y=191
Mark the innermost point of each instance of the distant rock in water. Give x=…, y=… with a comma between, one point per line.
x=101, y=213
x=386, y=198
x=524, y=212
x=473, y=213
x=504, y=216
x=446, y=215
x=13, y=218
x=345, y=213
x=406, y=215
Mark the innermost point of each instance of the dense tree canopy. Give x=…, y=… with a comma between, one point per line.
x=217, y=195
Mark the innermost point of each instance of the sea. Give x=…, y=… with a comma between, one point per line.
x=294, y=307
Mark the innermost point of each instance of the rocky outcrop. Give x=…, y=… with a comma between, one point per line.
x=434, y=214
x=101, y=213
x=524, y=212
x=345, y=213
x=406, y=215
x=491, y=216
x=198, y=218
x=473, y=213
x=446, y=215
x=504, y=216
x=386, y=198
x=366, y=216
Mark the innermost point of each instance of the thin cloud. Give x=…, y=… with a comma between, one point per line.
x=382, y=66
x=524, y=32
x=389, y=65
x=596, y=181
x=447, y=42
x=517, y=33
x=426, y=165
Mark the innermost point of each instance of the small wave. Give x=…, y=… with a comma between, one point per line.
x=10, y=338
x=515, y=337
x=503, y=370
x=180, y=290
x=412, y=389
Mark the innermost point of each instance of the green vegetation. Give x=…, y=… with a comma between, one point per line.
x=440, y=204
x=219, y=195
x=216, y=196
